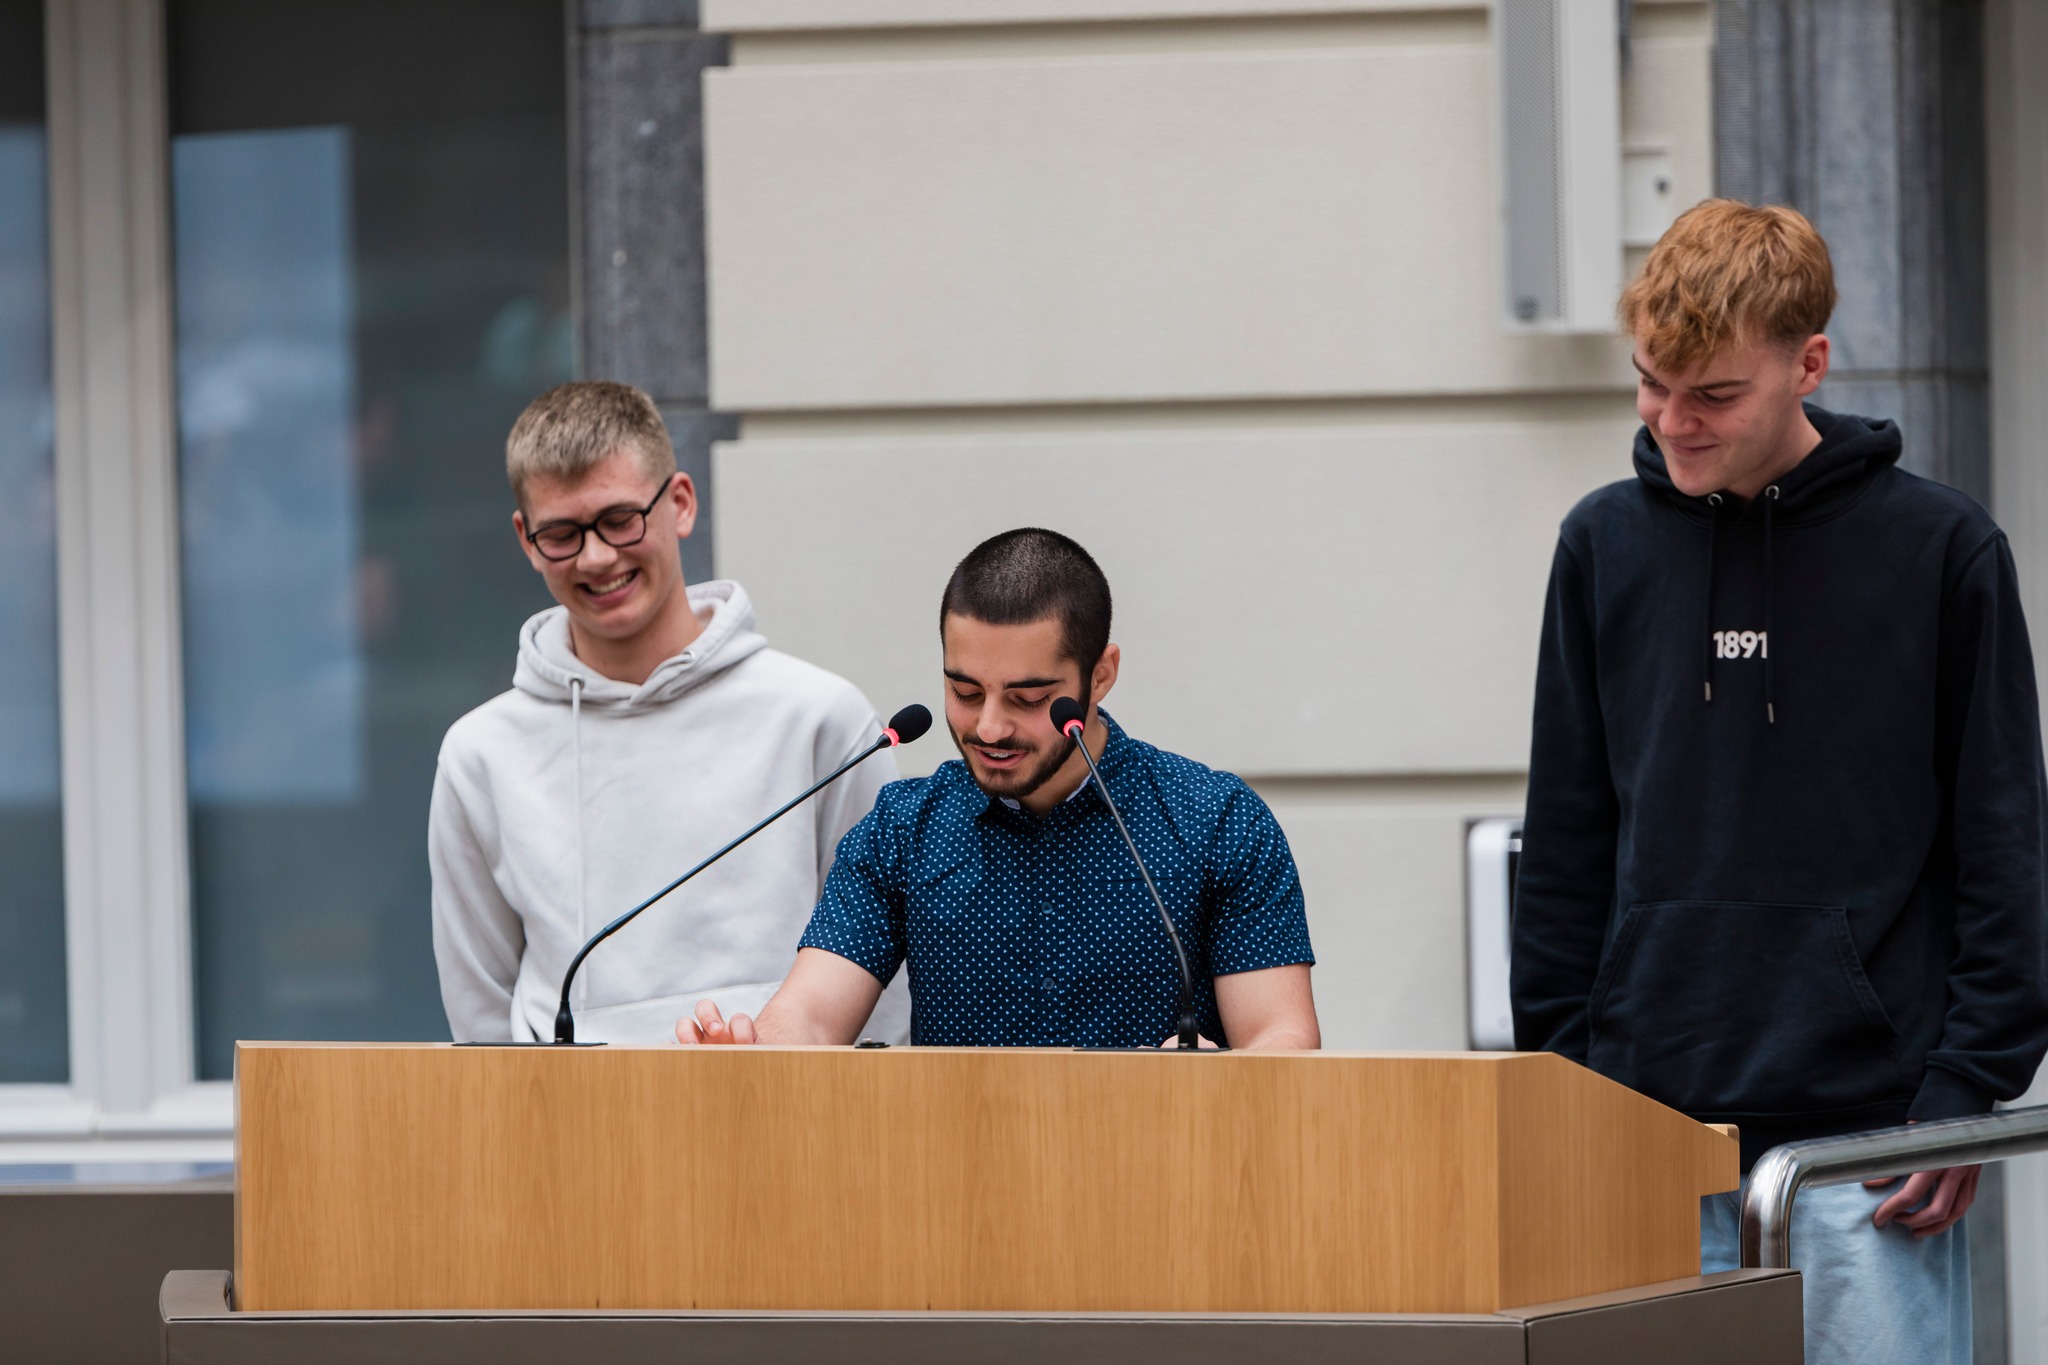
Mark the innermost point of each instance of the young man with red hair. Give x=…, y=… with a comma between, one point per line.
x=1783, y=865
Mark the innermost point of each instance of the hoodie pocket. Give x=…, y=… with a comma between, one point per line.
x=1722, y=1007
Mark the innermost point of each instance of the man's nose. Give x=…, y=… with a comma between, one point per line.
x=596, y=554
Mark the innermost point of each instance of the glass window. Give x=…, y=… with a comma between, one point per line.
x=34, y=1035
x=370, y=226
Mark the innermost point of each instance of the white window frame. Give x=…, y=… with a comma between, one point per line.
x=134, y=1093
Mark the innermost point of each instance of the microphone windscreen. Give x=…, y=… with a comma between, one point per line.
x=1065, y=711
x=910, y=723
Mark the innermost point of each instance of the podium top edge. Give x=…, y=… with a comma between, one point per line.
x=898, y=1050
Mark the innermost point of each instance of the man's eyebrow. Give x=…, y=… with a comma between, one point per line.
x=1697, y=388
x=1018, y=685
x=602, y=512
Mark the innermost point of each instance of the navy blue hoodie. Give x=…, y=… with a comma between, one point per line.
x=1783, y=864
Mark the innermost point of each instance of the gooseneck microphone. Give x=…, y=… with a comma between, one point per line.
x=906, y=725
x=1069, y=719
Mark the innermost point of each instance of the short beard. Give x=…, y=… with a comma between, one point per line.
x=1039, y=776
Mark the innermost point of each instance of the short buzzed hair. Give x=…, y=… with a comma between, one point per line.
x=1032, y=574
x=572, y=428
x=1729, y=273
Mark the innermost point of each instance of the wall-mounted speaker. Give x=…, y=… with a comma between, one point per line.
x=1493, y=848
x=1558, y=85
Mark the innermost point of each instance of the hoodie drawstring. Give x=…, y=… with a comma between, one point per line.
x=1707, y=634
x=1714, y=501
x=1770, y=691
x=576, y=790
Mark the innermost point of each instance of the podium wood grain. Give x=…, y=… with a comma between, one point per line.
x=421, y=1176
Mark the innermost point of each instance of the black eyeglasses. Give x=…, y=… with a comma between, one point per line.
x=618, y=528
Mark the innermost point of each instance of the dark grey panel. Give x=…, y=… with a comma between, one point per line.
x=891, y=1342
x=641, y=141
x=692, y=431
x=80, y=1268
x=1755, y=1321
x=1990, y=1310
x=1534, y=172
x=594, y=14
x=1868, y=118
x=1854, y=198
x=1755, y=75
x=1749, y=1310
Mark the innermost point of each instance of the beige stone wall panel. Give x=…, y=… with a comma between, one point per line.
x=1303, y=223
x=1361, y=600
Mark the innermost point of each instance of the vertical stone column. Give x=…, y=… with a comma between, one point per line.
x=1867, y=116
x=2016, y=46
x=639, y=147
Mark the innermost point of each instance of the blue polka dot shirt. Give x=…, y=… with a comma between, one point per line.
x=1022, y=930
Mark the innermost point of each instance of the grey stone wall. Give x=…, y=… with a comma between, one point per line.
x=1866, y=115
x=640, y=202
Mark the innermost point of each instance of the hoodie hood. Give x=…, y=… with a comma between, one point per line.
x=1852, y=450
x=549, y=670
x=1833, y=476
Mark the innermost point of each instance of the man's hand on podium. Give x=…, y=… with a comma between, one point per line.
x=824, y=999
x=709, y=1027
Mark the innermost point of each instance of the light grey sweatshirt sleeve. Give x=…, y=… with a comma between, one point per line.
x=478, y=937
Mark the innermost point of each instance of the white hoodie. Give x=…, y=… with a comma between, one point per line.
x=570, y=799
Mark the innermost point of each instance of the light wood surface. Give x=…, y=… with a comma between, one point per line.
x=400, y=1176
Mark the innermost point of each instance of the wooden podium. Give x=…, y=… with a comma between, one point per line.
x=401, y=1177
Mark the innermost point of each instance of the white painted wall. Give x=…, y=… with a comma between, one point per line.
x=1212, y=287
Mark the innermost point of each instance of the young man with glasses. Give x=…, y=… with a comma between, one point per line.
x=648, y=722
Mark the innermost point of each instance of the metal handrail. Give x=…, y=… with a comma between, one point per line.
x=1781, y=1173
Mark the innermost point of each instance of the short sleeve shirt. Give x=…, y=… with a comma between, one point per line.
x=1026, y=930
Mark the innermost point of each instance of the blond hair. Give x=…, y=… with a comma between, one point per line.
x=572, y=428
x=1728, y=273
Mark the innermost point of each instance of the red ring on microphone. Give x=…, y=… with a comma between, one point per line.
x=895, y=740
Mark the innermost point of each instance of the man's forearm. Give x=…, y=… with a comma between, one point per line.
x=824, y=1000
x=787, y=1021
x=1283, y=1036
x=1271, y=1008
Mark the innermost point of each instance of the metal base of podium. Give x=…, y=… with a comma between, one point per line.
x=81, y=1265
x=1751, y=1316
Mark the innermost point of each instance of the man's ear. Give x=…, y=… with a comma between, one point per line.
x=682, y=498
x=1813, y=364
x=525, y=545
x=1103, y=677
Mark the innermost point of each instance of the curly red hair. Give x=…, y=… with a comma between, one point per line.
x=1728, y=273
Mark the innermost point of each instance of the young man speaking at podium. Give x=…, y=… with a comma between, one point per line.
x=1002, y=879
